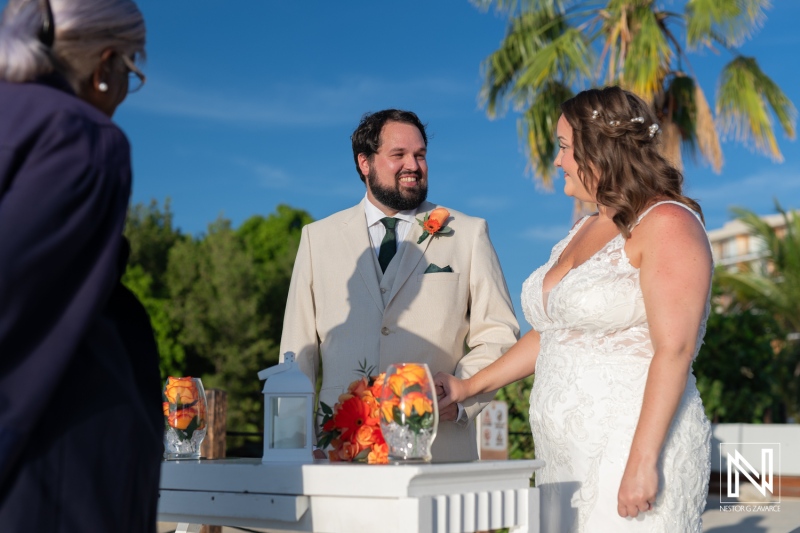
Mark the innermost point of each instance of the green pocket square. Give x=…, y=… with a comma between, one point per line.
x=432, y=268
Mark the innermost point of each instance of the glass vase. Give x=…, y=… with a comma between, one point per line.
x=409, y=412
x=185, y=418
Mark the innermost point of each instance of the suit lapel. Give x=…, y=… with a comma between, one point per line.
x=356, y=236
x=413, y=252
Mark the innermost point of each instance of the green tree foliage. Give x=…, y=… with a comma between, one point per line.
x=272, y=243
x=216, y=300
x=151, y=235
x=553, y=47
x=228, y=293
x=517, y=396
x=737, y=366
x=775, y=291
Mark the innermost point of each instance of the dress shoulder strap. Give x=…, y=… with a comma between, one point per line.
x=646, y=211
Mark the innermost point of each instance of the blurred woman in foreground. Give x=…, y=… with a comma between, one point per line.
x=80, y=422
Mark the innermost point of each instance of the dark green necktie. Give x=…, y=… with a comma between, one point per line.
x=388, y=244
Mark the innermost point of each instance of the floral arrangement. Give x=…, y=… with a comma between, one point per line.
x=434, y=223
x=183, y=409
x=407, y=399
x=352, y=426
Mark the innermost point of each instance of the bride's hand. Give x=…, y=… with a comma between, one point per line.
x=638, y=489
x=449, y=389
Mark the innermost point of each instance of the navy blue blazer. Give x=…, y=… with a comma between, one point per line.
x=80, y=420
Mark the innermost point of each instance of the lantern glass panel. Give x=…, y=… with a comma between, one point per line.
x=288, y=422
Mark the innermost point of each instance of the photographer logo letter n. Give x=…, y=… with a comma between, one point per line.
x=761, y=480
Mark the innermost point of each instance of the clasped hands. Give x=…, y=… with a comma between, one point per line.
x=449, y=392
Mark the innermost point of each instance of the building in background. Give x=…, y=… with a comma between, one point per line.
x=733, y=246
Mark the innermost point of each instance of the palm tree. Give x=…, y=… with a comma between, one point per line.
x=776, y=291
x=553, y=47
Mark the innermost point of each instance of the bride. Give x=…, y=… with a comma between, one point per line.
x=618, y=315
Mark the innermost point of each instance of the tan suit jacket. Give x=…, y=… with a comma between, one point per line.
x=343, y=310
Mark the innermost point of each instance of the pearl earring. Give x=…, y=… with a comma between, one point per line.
x=102, y=87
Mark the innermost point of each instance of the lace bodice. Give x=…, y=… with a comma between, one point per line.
x=598, y=305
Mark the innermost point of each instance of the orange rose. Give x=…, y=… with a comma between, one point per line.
x=397, y=383
x=181, y=418
x=387, y=408
x=349, y=450
x=373, y=405
x=414, y=374
x=379, y=455
x=436, y=220
x=377, y=386
x=181, y=391
x=165, y=407
x=340, y=400
x=357, y=388
x=365, y=436
x=418, y=402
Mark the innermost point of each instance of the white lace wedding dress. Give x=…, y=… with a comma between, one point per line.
x=590, y=378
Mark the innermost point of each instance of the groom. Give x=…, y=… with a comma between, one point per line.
x=371, y=285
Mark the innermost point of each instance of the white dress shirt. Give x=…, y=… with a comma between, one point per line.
x=377, y=231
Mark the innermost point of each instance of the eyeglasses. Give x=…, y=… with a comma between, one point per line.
x=47, y=33
x=136, y=77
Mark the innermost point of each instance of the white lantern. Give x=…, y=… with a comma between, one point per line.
x=288, y=413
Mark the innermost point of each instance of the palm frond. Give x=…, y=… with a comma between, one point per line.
x=538, y=127
x=648, y=56
x=707, y=138
x=566, y=58
x=685, y=105
x=671, y=143
x=744, y=98
x=729, y=22
x=526, y=36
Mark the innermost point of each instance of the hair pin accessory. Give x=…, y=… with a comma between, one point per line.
x=653, y=128
x=640, y=120
x=595, y=114
x=613, y=123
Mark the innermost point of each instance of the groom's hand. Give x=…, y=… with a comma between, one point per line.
x=449, y=413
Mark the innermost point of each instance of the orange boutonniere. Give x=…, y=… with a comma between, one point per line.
x=434, y=223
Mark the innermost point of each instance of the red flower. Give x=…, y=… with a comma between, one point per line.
x=352, y=414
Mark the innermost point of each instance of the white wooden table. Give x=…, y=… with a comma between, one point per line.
x=328, y=497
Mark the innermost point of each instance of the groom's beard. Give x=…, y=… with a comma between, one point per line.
x=395, y=197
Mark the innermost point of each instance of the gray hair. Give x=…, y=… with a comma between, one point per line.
x=83, y=30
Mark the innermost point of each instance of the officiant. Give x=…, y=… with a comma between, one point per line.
x=80, y=420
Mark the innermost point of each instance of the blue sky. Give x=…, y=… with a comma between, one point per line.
x=251, y=103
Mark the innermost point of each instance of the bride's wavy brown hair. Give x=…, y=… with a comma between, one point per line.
x=609, y=140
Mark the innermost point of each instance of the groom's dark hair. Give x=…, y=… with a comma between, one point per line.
x=367, y=137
